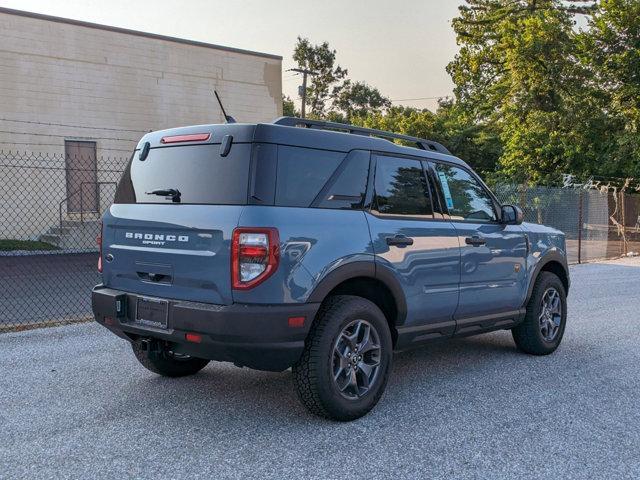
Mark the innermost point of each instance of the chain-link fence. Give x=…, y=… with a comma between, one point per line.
x=598, y=223
x=50, y=217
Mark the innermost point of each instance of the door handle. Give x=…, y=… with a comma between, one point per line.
x=399, y=241
x=475, y=240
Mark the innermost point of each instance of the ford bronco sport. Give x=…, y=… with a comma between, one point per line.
x=323, y=249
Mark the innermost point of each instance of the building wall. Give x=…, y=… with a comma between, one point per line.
x=68, y=81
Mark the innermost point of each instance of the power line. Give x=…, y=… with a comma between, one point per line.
x=58, y=145
x=52, y=124
x=420, y=98
x=68, y=136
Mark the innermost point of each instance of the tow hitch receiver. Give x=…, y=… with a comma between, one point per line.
x=150, y=345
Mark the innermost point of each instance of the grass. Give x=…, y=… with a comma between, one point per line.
x=7, y=245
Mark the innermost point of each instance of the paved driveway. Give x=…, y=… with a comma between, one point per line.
x=74, y=404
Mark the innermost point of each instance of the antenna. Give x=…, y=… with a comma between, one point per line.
x=227, y=118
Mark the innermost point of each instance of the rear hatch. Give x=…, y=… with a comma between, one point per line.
x=169, y=230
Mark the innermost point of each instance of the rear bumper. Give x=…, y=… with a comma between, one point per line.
x=255, y=336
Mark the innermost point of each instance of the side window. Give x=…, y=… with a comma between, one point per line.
x=346, y=188
x=401, y=188
x=302, y=172
x=464, y=196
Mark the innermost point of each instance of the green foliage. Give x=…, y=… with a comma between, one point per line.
x=517, y=73
x=535, y=96
x=33, y=245
x=478, y=145
x=330, y=94
x=611, y=49
x=359, y=99
x=288, y=107
x=327, y=81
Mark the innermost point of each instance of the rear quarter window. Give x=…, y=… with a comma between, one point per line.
x=347, y=186
x=301, y=174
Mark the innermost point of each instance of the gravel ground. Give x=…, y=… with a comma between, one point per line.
x=75, y=404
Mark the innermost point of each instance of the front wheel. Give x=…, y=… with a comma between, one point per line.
x=167, y=363
x=543, y=327
x=346, y=361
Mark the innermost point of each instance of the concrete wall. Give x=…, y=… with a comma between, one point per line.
x=61, y=80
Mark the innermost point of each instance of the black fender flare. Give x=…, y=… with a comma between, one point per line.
x=366, y=269
x=550, y=256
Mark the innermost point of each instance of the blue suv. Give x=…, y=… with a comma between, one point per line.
x=322, y=248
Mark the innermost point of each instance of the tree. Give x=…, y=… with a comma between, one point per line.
x=327, y=81
x=359, y=99
x=449, y=125
x=517, y=74
x=611, y=47
x=288, y=107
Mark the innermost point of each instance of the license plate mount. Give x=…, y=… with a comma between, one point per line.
x=152, y=311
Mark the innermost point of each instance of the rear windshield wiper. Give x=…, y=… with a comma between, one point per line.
x=174, y=193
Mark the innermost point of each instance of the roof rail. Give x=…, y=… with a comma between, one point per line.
x=420, y=143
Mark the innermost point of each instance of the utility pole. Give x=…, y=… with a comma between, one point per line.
x=303, y=92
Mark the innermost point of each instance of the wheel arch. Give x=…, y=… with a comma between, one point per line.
x=368, y=280
x=555, y=263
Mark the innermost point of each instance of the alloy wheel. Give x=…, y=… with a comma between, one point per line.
x=356, y=359
x=550, y=314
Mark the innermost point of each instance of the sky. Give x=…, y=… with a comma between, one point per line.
x=401, y=47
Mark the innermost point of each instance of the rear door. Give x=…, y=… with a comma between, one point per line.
x=411, y=239
x=493, y=273
x=156, y=246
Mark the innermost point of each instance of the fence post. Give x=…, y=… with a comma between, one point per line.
x=81, y=204
x=580, y=227
x=624, y=223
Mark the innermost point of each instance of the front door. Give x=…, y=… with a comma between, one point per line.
x=492, y=255
x=417, y=245
x=81, y=170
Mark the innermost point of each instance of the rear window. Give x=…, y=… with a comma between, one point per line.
x=198, y=172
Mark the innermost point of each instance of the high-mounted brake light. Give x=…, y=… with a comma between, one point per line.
x=191, y=137
x=255, y=254
x=99, y=242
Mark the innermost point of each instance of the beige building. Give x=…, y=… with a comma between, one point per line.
x=76, y=97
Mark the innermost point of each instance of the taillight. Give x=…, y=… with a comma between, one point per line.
x=255, y=254
x=99, y=241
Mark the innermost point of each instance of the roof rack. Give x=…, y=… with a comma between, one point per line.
x=420, y=143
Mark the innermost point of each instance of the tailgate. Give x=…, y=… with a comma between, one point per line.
x=170, y=251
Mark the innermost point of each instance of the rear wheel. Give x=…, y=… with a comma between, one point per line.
x=167, y=363
x=346, y=361
x=543, y=327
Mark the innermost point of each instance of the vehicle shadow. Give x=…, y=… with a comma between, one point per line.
x=222, y=390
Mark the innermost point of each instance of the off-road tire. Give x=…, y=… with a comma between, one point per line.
x=313, y=373
x=527, y=335
x=166, y=364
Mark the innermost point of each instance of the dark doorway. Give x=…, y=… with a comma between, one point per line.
x=82, y=186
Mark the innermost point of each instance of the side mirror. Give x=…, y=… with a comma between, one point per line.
x=512, y=215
